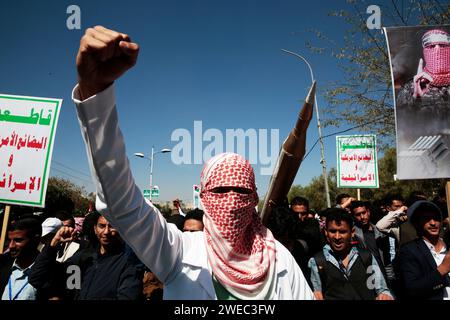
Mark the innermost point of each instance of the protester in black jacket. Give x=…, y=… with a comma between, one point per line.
x=98, y=272
x=423, y=265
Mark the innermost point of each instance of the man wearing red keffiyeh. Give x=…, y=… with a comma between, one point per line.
x=436, y=52
x=236, y=257
x=240, y=249
x=430, y=85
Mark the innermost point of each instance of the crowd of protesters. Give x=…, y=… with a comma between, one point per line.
x=358, y=250
x=345, y=253
x=53, y=259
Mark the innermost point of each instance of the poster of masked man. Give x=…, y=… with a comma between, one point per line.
x=420, y=68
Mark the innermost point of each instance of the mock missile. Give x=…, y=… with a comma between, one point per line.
x=289, y=160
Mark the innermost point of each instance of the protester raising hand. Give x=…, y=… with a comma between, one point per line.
x=444, y=267
x=64, y=234
x=236, y=255
x=104, y=55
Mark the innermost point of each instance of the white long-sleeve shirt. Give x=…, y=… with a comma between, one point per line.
x=178, y=259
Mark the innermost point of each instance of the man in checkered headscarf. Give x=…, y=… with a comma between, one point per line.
x=236, y=257
x=436, y=53
x=240, y=249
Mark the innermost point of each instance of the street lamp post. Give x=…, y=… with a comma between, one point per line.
x=322, y=148
x=151, y=171
x=141, y=155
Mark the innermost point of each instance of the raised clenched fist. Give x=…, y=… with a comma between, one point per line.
x=64, y=234
x=104, y=55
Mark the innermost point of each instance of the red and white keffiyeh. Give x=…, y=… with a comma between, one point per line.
x=240, y=249
x=436, y=52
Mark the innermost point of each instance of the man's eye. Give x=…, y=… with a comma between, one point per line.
x=228, y=189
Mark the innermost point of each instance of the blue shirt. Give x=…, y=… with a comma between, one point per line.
x=378, y=281
x=18, y=287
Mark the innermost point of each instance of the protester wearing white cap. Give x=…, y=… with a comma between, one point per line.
x=49, y=228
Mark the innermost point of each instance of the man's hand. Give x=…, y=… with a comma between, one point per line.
x=347, y=202
x=383, y=296
x=64, y=234
x=402, y=209
x=318, y=295
x=104, y=55
x=402, y=213
x=444, y=267
x=421, y=79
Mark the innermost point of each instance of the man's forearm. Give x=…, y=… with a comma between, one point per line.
x=118, y=198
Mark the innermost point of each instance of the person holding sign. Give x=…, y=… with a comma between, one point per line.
x=236, y=257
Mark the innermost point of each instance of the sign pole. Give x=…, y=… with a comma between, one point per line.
x=4, y=228
x=358, y=194
x=447, y=192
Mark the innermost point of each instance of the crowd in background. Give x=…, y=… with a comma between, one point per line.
x=357, y=250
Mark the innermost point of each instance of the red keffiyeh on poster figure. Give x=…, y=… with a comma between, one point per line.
x=436, y=52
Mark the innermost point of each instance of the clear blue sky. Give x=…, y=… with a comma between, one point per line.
x=215, y=61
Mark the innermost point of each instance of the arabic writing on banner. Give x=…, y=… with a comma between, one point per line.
x=27, y=130
x=357, y=161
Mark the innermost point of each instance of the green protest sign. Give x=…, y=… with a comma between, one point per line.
x=27, y=133
x=357, y=161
